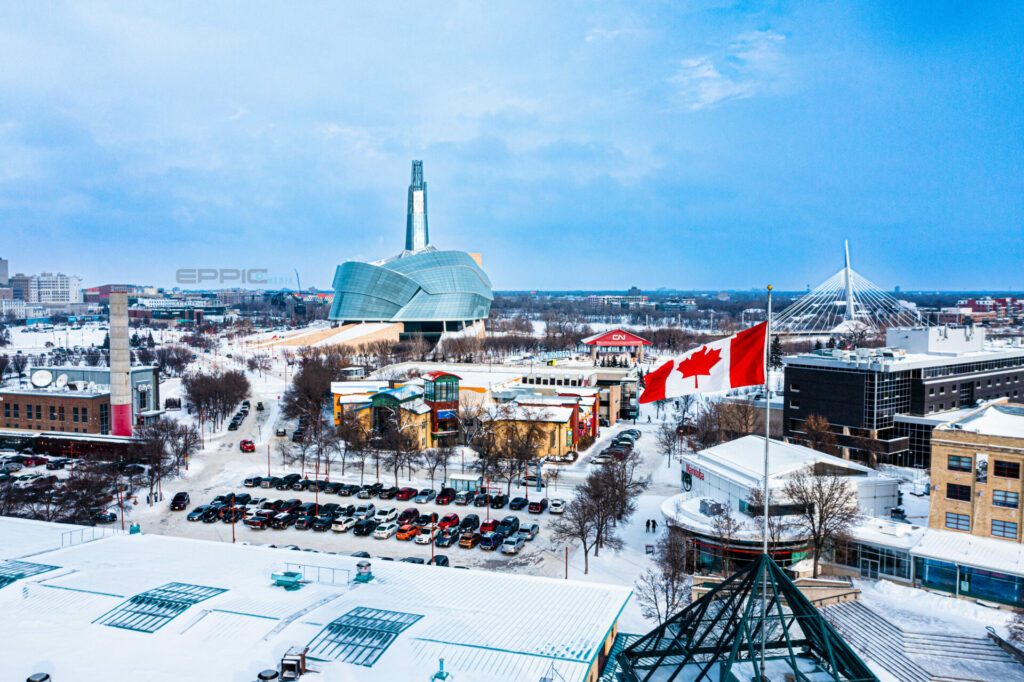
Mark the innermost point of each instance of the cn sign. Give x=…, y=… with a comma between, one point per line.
x=694, y=471
x=619, y=337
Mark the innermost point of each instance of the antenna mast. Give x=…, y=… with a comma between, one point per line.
x=850, y=313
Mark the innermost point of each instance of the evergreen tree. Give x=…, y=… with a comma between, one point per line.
x=775, y=353
x=106, y=341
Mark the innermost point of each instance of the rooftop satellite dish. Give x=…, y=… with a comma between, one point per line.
x=41, y=378
x=62, y=381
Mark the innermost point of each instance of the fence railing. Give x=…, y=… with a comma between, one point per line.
x=326, y=575
x=78, y=536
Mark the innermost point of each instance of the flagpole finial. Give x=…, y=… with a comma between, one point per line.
x=770, y=287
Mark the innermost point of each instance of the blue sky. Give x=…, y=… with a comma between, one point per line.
x=576, y=145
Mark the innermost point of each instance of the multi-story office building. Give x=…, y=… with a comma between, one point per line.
x=47, y=288
x=977, y=462
x=4, y=273
x=882, y=403
x=77, y=411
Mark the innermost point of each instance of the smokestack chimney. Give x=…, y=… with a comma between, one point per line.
x=120, y=366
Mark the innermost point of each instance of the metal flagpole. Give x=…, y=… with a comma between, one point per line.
x=764, y=495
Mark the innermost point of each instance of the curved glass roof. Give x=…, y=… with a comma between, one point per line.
x=425, y=286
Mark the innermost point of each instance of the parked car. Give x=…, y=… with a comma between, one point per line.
x=491, y=541
x=425, y=495
x=33, y=461
x=343, y=525
x=348, y=489
x=407, y=532
x=482, y=500
x=446, y=538
x=636, y=433
x=390, y=514
x=232, y=514
x=406, y=494
x=469, y=540
x=408, y=515
x=104, y=517
x=364, y=527
x=557, y=506
x=179, y=502
x=280, y=432
x=529, y=531
x=247, y=446
x=365, y=511
x=469, y=522
x=518, y=503
x=439, y=560
x=448, y=521
x=489, y=526
x=538, y=506
x=198, y=513
x=287, y=481
x=331, y=488
x=56, y=463
x=323, y=523
x=513, y=545
x=361, y=554
x=509, y=526
x=272, y=482
x=259, y=407
x=233, y=426
x=304, y=522
x=463, y=498
x=445, y=496
x=385, y=531
x=601, y=459
x=414, y=560
x=424, y=520
x=425, y=536
x=283, y=520
x=253, y=482
x=389, y=493
x=498, y=501
x=260, y=520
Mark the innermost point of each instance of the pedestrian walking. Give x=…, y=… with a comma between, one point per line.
x=647, y=526
x=654, y=526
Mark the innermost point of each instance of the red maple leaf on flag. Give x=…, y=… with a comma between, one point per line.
x=699, y=363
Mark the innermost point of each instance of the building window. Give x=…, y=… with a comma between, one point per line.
x=1005, y=498
x=1007, y=469
x=1004, y=529
x=7, y=410
x=958, y=521
x=85, y=414
x=53, y=413
x=60, y=412
x=958, y=492
x=39, y=413
x=74, y=415
x=795, y=388
x=16, y=410
x=960, y=463
x=794, y=404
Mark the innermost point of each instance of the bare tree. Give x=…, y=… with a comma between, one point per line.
x=669, y=441
x=665, y=587
x=5, y=364
x=706, y=427
x=826, y=504
x=779, y=526
x=18, y=363
x=438, y=458
x=578, y=523
x=739, y=419
x=724, y=528
x=817, y=435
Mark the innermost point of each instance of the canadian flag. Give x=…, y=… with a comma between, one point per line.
x=729, y=363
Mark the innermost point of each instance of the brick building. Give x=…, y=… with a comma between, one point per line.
x=976, y=473
x=74, y=411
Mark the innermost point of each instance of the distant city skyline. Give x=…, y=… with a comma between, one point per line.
x=576, y=146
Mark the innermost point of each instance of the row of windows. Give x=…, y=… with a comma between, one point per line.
x=56, y=413
x=940, y=407
x=1000, y=529
x=977, y=384
x=1000, y=468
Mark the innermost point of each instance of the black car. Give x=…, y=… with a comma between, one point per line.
x=104, y=517
x=348, y=489
x=447, y=538
x=499, y=501
x=305, y=509
x=364, y=527
x=414, y=560
x=508, y=526
x=55, y=463
x=179, y=502
x=233, y=426
x=344, y=510
x=323, y=523
x=272, y=482
x=198, y=513
x=302, y=484
x=304, y=522
x=389, y=493
x=287, y=481
x=361, y=554
x=481, y=500
x=439, y=560
x=469, y=522
x=298, y=435
x=232, y=515
x=518, y=503
x=253, y=482
x=329, y=508
x=290, y=505
x=241, y=499
x=426, y=520
x=283, y=520
x=331, y=488
x=212, y=514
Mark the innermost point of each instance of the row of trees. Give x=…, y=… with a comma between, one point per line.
x=215, y=394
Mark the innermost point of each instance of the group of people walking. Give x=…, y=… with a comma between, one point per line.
x=651, y=526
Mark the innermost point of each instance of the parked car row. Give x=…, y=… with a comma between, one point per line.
x=620, y=447
x=240, y=416
x=378, y=490
x=508, y=535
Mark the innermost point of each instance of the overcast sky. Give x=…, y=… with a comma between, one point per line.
x=576, y=145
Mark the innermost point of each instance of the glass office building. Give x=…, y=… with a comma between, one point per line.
x=427, y=290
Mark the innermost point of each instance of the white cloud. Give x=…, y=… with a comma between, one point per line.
x=753, y=63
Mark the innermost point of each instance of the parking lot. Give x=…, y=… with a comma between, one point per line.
x=291, y=520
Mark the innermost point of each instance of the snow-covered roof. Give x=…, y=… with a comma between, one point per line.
x=892, y=534
x=1002, y=420
x=487, y=626
x=742, y=460
x=970, y=550
x=367, y=387
x=534, y=413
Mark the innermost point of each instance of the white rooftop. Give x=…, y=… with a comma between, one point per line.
x=1001, y=420
x=971, y=550
x=742, y=460
x=487, y=626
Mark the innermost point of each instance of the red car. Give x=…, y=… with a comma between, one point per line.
x=408, y=516
x=33, y=461
x=406, y=494
x=247, y=446
x=489, y=526
x=445, y=496
x=449, y=521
